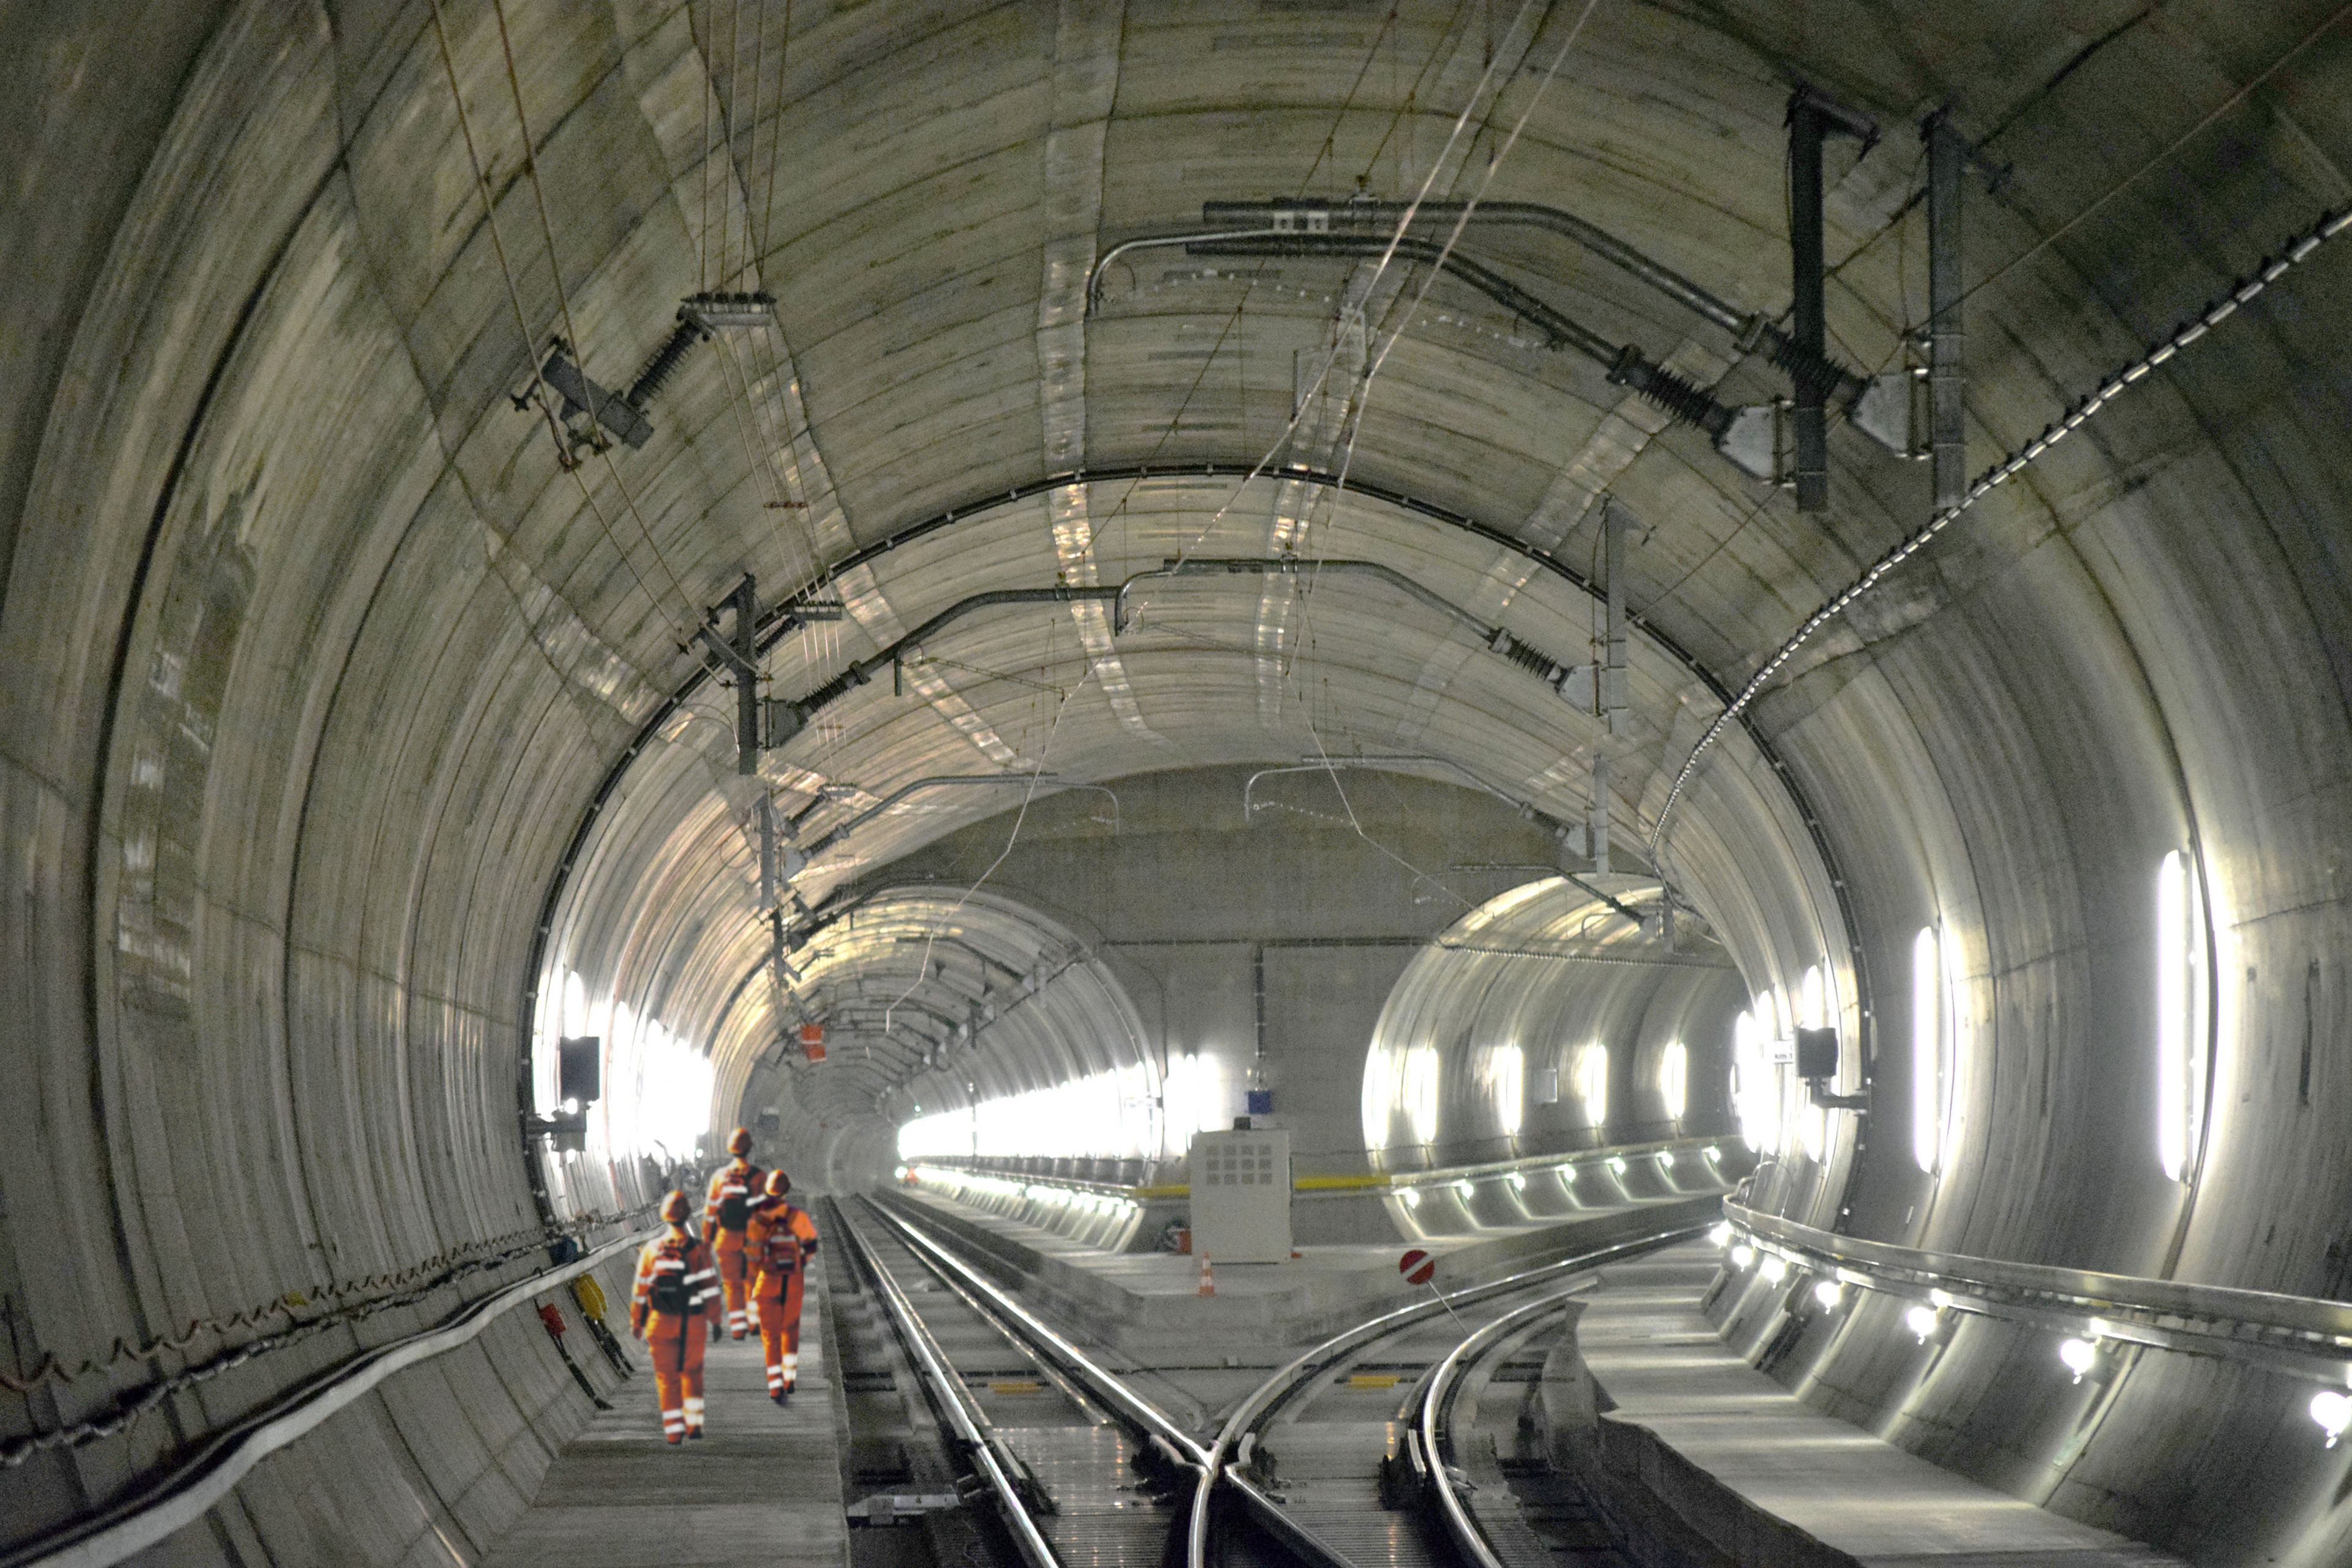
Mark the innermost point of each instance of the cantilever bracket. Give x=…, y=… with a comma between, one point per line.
x=1823, y=1099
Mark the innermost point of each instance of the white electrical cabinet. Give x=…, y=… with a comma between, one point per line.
x=1241, y=1196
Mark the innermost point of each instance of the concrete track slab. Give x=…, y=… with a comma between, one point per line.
x=763, y=1488
x=1151, y=1300
x=1746, y=1441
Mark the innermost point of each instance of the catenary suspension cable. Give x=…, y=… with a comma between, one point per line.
x=2296, y=251
x=1380, y=269
x=1326, y=150
x=571, y=327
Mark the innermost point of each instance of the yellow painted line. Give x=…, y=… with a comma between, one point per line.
x=1016, y=1388
x=1373, y=1380
x=1338, y=1184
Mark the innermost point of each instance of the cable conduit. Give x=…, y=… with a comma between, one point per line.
x=181, y=1497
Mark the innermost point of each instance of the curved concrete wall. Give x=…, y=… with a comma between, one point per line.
x=316, y=658
x=1542, y=1022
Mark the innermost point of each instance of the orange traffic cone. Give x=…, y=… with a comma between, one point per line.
x=1208, y=1279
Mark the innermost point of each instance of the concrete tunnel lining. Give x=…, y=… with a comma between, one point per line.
x=316, y=656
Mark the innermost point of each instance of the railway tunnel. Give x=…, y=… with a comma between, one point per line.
x=1686, y=665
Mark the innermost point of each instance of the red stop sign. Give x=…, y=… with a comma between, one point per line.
x=1417, y=1267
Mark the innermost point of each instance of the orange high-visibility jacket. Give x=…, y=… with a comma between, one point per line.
x=780, y=1239
x=683, y=1258
x=741, y=1180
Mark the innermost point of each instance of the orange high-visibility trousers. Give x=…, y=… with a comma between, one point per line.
x=677, y=1345
x=734, y=1279
x=780, y=1335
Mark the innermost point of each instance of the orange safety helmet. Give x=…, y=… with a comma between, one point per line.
x=675, y=1208
x=741, y=1143
x=779, y=1183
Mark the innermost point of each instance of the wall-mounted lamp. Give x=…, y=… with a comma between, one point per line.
x=1830, y=1294
x=1775, y=1269
x=2333, y=1411
x=1742, y=1255
x=2080, y=1356
x=1923, y=1322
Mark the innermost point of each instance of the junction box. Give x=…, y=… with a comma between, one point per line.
x=1241, y=1195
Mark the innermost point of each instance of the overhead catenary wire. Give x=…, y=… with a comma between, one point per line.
x=1380, y=269
x=1326, y=150
x=572, y=331
x=2298, y=250
x=538, y=392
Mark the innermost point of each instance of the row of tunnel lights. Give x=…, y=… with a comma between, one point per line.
x=1071, y=1198
x=1567, y=1170
x=1109, y=1203
x=2330, y=1409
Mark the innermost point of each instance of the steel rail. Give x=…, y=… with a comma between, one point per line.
x=1099, y=1382
x=1262, y=1402
x=179, y=1499
x=1438, y=1400
x=951, y=1399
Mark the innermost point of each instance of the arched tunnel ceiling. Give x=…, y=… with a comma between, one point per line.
x=934, y=350
x=338, y=715
x=353, y=650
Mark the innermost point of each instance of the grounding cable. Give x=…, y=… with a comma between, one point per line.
x=2293, y=254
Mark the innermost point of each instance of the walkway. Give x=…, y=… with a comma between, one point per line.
x=1736, y=1430
x=764, y=1487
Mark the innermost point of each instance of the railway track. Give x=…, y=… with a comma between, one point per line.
x=1400, y=1443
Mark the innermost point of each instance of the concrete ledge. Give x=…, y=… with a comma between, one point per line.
x=1133, y=1300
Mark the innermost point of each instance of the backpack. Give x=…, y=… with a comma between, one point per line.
x=670, y=1295
x=735, y=1209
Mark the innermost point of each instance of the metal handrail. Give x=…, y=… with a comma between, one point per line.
x=181, y=1496
x=2305, y=1334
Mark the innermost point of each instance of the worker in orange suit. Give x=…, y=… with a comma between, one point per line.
x=678, y=1287
x=781, y=1240
x=725, y=1217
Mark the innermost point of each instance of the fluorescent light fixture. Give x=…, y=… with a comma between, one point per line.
x=1465, y=1188
x=2174, y=1069
x=1506, y=1071
x=2080, y=1356
x=1420, y=1092
x=1411, y=1199
x=1829, y=1293
x=1617, y=1163
x=1775, y=1270
x=1665, y=1159
x=1926, y=1050
x=1518, y=1182
x=2333, y=1412
x=1922, y=1322
x=1592, y=1082
x=1674, y=1080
